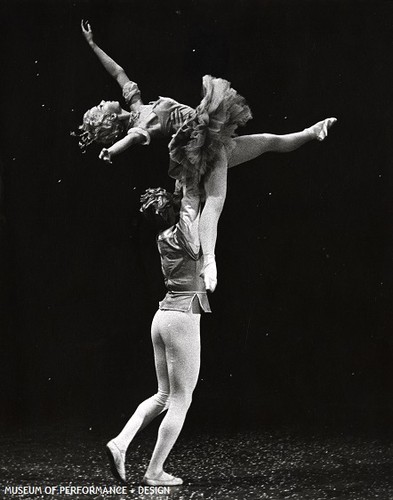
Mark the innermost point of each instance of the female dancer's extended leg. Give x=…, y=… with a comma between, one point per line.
x=179, y=332
x=249, y=147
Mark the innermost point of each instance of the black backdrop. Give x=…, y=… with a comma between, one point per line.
x=301, y=326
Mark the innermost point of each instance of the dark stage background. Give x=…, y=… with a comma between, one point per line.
x=301, y=330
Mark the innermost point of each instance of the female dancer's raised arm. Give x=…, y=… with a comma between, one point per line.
x=114, y=69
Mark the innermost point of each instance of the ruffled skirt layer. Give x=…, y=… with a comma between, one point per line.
x=198, y=144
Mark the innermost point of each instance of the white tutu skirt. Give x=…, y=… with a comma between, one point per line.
x=197, y=145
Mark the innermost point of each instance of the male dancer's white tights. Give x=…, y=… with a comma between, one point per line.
x=176, y=343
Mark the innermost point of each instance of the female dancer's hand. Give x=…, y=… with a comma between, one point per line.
x=87, y=31
x=320, y=130
x=105, y=155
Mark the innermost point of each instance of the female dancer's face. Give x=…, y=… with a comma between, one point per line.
x=109, y=107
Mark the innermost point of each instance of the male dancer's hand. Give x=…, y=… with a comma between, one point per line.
x=209, y=273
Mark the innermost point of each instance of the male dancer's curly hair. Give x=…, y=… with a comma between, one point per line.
x=158, y=204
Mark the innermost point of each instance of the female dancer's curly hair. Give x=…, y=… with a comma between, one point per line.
x=100, y=127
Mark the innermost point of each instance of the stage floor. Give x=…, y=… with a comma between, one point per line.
x=65, y=461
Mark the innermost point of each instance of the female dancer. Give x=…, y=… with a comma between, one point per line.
x=202, y=139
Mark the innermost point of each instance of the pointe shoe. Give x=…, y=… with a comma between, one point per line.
x=321, y=128
x=209, y=274
x=170, y=481
x=116, y=460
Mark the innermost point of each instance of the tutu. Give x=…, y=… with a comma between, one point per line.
x=197, y=144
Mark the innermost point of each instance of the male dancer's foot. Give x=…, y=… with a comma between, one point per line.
x=117, y=459
x=161, y=479
x=320, y=130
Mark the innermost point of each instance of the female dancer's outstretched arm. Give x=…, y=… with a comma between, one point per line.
x=134, y=136
x=114, y=69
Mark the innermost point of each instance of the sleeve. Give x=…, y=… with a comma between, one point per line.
x=146, y=138
x=188, y=225
x=129, y=90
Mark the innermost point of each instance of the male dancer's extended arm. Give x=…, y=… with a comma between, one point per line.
x=188, y=225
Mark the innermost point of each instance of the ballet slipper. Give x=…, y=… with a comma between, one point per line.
x=158, y=481
x=116, y=460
